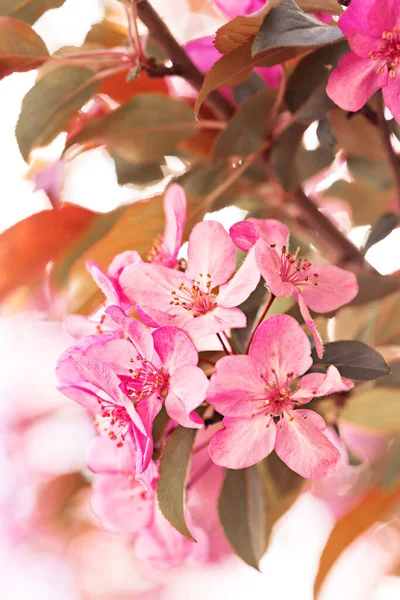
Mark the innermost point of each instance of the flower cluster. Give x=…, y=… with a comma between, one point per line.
x=128, y=371
x=372, y=28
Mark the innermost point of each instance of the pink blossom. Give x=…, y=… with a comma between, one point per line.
x=372, y=28
x=164, y=250
x=202, y=300
x=253, y=391
x=125, y=376
x=321, y=288
x=233, y=8
x=204, y=54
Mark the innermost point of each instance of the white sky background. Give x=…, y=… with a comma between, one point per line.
x=292, y=560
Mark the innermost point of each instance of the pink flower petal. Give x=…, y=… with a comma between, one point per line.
x=242, y=284
x=188, y=386
x=309, y=321
x=242, y=442
x=121, y=504
x=174, y=348
x=219, y=319
x=391, y=95
x=271, y=75
x=281, y=346
x=175, y=215
x=104, y=282
x=234, y=385
x=153, y=317
x=211, y=252
x=203, y=52
x=355, y=80
x=301, y=444
x=364, y=21
x=244, y=234
x=273, y=232
x=141, y=339
x=105, y=456
x=152, y=285
x=235, y=8
x=316, y=385
x=121, y=261
x=335, y=288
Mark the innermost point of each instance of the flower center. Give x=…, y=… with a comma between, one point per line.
x=197, y=297
x=389, y=51
x=146, y=380
x=296, y=270
x=114, y=420
x=158, y=253
x=276, y=400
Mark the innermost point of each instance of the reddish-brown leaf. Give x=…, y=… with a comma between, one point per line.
x=29, y=245
x=21, y=48
x=121, y=90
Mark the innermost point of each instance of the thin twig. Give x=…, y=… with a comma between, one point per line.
x=159, y=30
x=222, y=343
x=260, y=320
x=387, y=144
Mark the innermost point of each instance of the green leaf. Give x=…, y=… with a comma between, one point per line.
x=305, y=94
x=372, y=287
x=311, y=162
x=356, y=135
x=242, y=512
x=353, y=359
x=287, y=25
x=366, y=201
x=325, y=134
x=386, y=328
x=284, y=155
x=140, y=175
x=377, y=173
x=21, y=48
x=142, y=130
x=27, y=10
x=390, y=467
x=50, y=104
x=174, y=469
x=377, y=409
x=253, y=85
x=246, y=131
x=391, y=380
x=382, y=228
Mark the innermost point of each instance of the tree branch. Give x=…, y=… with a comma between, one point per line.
x=323, y=227
x=158, y=29
x=386, y=141
x=326, y=231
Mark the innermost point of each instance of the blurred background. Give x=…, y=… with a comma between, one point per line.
x=51, y=545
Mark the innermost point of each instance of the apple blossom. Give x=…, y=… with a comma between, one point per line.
x=322, y=288
x=372, y=28
x=203, y=300
x=260, y=404
x=125, y=376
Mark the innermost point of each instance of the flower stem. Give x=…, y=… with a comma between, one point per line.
x=260, y=320
x=158, y=29
x=219, y=336
x=387, y=144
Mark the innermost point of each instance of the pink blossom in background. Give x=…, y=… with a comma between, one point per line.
x=164, y=251
x=372, y=28
x=126, y=375
x=251, y=391
x=233, y=8
x=321, y=288
x=203, y=300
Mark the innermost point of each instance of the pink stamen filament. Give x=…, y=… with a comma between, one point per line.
x=296, y=270
x=388, y=51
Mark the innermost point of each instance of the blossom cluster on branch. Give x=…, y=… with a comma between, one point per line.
x=126, y=371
